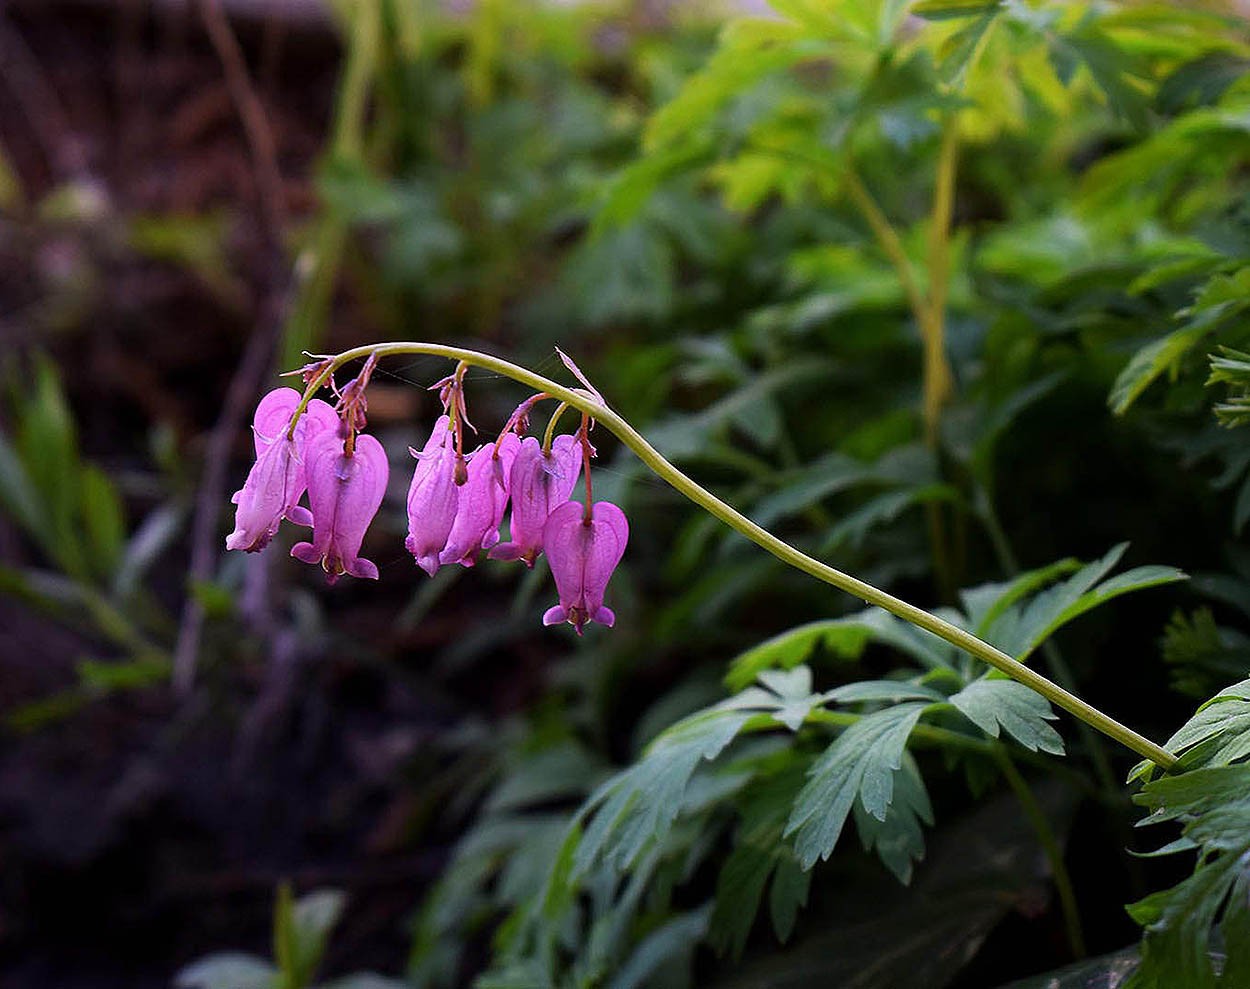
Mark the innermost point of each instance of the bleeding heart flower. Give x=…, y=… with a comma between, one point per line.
x=277, y=480
x=433, y=496
x=345, y=493
x=539, y=483
x=482, y=500
x=582, y=553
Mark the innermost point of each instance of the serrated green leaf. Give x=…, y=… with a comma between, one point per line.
x=994, y=704
x=899, y=839
x=1021, y=628
x=1214, y=805
x=636, y=808
x=1218, y=734
x=861, y=763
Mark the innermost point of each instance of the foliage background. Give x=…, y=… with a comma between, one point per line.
x=682, y=209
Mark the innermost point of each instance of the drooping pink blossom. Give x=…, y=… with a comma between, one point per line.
x=582, y=553
x=433, y=497
x=481, y=502
x=539, y=483
x=277, y=480
x=345, y=493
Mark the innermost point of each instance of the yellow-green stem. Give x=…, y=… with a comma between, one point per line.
x=551, y=426
x=581, y=400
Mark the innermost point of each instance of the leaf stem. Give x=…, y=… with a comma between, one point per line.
x=1050, y=847
x=585, y=403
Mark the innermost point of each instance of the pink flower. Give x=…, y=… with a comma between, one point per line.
x=481, y=503
x=277, y=479
x=433, y=497
x=583, y=553
x=538, y=485
x=345, y=493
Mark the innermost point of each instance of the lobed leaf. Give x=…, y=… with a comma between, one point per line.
x=994, y=704
x=862, y=764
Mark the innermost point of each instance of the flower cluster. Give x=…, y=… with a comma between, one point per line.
x=456, y=500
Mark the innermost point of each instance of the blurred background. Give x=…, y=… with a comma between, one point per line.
x=193, y=193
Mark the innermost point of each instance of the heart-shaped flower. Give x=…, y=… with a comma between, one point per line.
x=278, y=478
x=345, y=493
x=583, y=551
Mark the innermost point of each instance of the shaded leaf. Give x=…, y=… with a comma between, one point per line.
x=861, y=763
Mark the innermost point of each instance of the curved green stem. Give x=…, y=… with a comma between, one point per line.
x=1050, y=847
x=584, y=402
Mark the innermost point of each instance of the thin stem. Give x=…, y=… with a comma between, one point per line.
x=938, y=380
x=551, y=427
x=928, y=313
x=583, y=435
x=1050, y=847
x=585, y=403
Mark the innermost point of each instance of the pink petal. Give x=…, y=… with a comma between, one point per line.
x=433, y=497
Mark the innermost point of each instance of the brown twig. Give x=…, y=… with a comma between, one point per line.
x=259, y=351
x=252, y=114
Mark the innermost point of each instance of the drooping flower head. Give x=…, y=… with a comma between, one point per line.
x=481, y=502
x=433, y=496
x=539, y=483
x=345, y=493
x=583, y=551
x=277, y=480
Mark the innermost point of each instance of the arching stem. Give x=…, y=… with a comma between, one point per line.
x=584, y=402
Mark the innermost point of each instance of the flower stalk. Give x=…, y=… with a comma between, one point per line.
x=591, y=405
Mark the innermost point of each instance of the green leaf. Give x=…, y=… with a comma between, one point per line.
x=636, y=808
x=760, y=852
x=899, y=839
x=1214, y=805
x=672, y=942
x=994, y=704
x=1217, y=735
x=629, y=191
x=984, y=604
x=104, y=521
x=750, y=50
x=846, y=638
x=938, y=10
x=1151, y=362
x=862, y=763
x=786, y=696
x=18, y=496
x=47, y=442
x=228, y=970
x=788, y=893
x=1021, y=628
x=301, y=929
